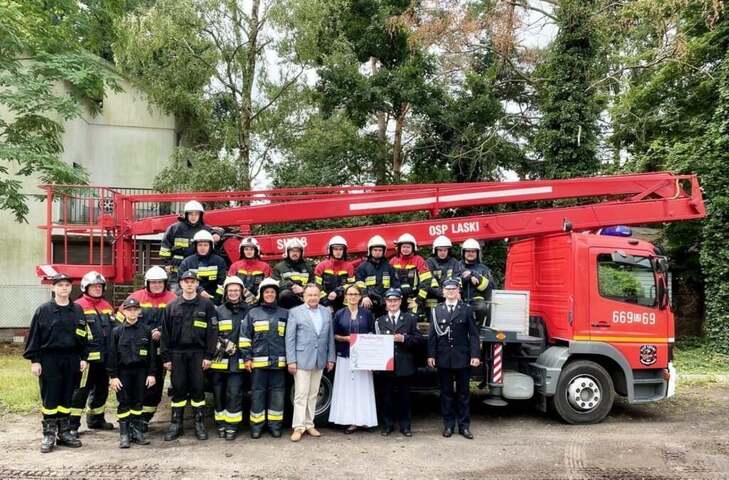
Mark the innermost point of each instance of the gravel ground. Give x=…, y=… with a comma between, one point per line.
x=682, y=438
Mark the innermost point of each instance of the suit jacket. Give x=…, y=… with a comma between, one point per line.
x=407, y=324
x=304, y=347
x=460, y=340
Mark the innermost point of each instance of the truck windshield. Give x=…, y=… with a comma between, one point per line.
x=627, y=283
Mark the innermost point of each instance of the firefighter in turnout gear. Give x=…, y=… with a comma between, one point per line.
x=413, y=273
x=334, y=274
x=94, y=385
x=210, y=268
x=453, y=348
x=131, y=367
x=377, y=276
x=153, y=299
x=177, y=240
x=56, y=348
x=188, y=344
x=227, y=373
x=292, y=273
x=477, y=281
x=263, y=350
x=443, y=266
x=250, y=268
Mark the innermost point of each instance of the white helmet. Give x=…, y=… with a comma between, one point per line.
x=376, y=241
x=471, y=244
x=337, y=240
x=293, y=243
x=266, y=283
x=406, y=238
x=193, y=206
x=249, y=242
x=442, y=242
x=155, y=274
x=203, y=236
x=92, y=278
x=231, y=280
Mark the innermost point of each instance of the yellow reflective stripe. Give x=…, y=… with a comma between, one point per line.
x=369, y=281
x=94, y=356
x=219, y=290
x=318, y=280
x=49, y=411
x=182, y=242
x=106, y=311
x=195, y=404
x=257, y=417
x=225, y=325
x=323, y=294
x=275, y=415
x=234, y=417
x=200, y=324
x=222, y=364
x=164, y=252
x=425, y=276
x=119, y=316
x=259, y=362
x=181, y=403
x=63, y=409
x=76, y=412
x=244, y=343
x=260, y=326
x=422, y=293
x=97, y=410
x=483, y=284
x=142, y=352
x=90, y=312
x=281, y=328
x=81, y=332
x=123, y=414
x=281, y=362
x=616, y=339
x=136, y=412
x=148, y=409
x=221, y=416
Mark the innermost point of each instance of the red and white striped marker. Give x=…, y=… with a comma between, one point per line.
x=496, y=374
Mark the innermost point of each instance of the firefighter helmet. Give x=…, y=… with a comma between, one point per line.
x=193, y=206
x=92, y=278
x=233, y=280
x=267, y=283
x=471, y=244
x=406, y=238
x=203, y=236
x=337, y=240
x=155, y=274
x=249, y=242
x=292, y=243
x=442, y=242
x=376, y=241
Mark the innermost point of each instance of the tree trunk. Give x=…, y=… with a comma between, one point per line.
x=397, y=142
x=381, y=167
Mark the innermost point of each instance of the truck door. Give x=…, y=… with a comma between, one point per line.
x=624, y=307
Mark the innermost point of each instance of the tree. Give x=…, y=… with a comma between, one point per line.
x=201, y=60
x=46, y=78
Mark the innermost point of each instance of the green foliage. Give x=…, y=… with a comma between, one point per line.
x=618, y=283
x=192, y=170
x=45, y=78
x=570, y=105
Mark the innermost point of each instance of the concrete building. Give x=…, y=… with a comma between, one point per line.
x=124, y=146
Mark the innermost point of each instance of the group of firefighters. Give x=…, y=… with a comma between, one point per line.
x=197, y=315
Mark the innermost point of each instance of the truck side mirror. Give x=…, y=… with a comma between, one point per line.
x=662, y=293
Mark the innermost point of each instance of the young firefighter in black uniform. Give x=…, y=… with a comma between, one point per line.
x=210, y=268
x=177, y=240
x=188, y=343
x=263, y=349
x=477, y=281
x=377, y=275
x=131, y=367
x=292, y=274
x=56, y=347
x=444, y=266
x=227, y=372
x=453, y=347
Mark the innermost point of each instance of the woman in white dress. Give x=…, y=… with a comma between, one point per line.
x=353, y=400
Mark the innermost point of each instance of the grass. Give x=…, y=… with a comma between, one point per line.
x=697, y=363
x=19, y=390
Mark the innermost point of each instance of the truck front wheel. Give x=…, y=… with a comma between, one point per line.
x=585, y=393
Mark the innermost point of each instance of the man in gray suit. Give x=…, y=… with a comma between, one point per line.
x=309, y=349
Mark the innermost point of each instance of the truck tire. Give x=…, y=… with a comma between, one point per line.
x=585, y=393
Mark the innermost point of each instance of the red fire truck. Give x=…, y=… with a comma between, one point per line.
x=600, y=321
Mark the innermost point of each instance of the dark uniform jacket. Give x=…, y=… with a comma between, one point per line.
x=131, y=346
x=230, y=317
x=210, y=270
x=377, y=276
x=345, y=325
x=406, y=324
x=189, y=326
x=442, y=270
x=177, y=241
x=333, y=275
x=56, y=329
x=289, y=273
x=482, y=273
x=263, y=336
x=453, y=339
x=99, y=323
